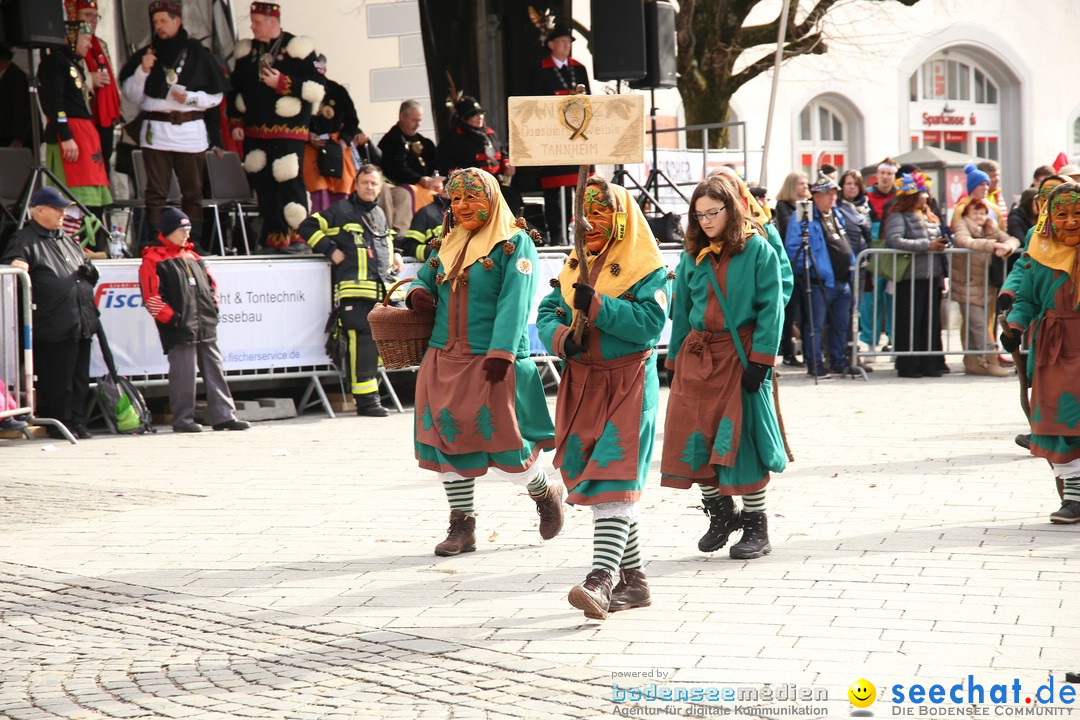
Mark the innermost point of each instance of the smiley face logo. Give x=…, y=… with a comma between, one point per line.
x=862, y=693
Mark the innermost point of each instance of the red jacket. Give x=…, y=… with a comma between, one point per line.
x=179, y=293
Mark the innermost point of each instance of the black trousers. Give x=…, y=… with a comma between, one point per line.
x=363, y=354
x=277, y=193
x=63, y=380
x=918, y=325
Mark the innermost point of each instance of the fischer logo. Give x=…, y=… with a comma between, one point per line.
x=118, y=295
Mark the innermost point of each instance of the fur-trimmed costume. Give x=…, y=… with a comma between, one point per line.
x=335, y=118
x=275, y=123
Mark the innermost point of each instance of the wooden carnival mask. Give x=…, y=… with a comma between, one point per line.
x=605, y=220
x=469, y=201
x=1065, y=216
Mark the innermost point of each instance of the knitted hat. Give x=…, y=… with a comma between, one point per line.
x=912, y=183
x=171, y=219
x=975, y=177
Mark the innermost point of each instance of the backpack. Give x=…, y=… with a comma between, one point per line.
x=123, y=406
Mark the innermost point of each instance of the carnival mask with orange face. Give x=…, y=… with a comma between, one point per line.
x=1065, y=218
x=469, y=201
x=603, y=218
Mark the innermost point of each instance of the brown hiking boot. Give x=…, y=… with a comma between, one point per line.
x=549, y=508
x=460, y=536
x=594, y=595
x=631, y=592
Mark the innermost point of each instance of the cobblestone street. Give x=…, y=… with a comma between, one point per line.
x=287, y=572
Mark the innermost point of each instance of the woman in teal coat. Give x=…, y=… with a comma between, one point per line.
x=480, y=403
x=721, y=431
x=605, y=419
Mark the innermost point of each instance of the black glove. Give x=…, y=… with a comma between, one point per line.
x=1004, y=302
x=583, y=295
x=1010, y=341
x=495, y=369
x=570, y=347
x=420, y=300
x=670, y=378
x=753, y=376
x=175, y=320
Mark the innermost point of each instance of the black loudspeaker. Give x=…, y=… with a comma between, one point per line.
x=659, y=46
x=28, y=24
x=618, y=39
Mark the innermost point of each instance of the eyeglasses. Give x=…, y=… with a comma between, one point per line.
x=710, y=214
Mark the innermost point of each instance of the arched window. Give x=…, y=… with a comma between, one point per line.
x=958, y=105
x=822, y=136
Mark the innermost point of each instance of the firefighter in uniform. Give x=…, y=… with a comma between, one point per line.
x=354, y=235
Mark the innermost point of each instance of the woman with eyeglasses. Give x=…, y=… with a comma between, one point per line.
x=721, y=431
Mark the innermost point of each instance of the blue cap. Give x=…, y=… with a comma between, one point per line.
x=50, y=196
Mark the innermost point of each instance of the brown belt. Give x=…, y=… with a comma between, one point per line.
x=176, y=117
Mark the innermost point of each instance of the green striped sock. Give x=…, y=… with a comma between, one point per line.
x=631, y=559
x=609, y=543
x=710, y=492
x=460, y=494
x=754, y=502
x=1072, y=489
x=538, y=485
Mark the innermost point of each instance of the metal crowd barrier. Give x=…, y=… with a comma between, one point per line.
x=17, y=351
x=872, y=261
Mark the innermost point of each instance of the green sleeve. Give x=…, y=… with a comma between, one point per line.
x=680, y=307
x=515, y=297
x=768, y=307
x=787, y=279
x=641, y=319
x=1016, y=276
x=549, y=325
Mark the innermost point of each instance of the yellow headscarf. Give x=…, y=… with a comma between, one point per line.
x=626, y=261
x=753, y=210
x=501, y=226
x=1045, y=249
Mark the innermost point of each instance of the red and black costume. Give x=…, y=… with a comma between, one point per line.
x=275, y=123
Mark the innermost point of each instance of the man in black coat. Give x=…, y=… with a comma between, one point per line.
x=65, y=318
x=559, y=74
x=408, y=158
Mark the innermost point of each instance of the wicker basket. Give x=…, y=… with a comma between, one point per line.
x=401, y=335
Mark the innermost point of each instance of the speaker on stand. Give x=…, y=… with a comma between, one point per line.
x=618, y=39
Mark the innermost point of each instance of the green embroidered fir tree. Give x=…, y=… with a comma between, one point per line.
x=608, y=448
x=484, y=424
x=724, y=437
x=448, y=426
x=1036, y=413
x=1068, y=410
x=696, y=451
x=573, y=461
x=426, y=418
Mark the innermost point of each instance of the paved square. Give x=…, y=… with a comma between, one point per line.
x=287, y=572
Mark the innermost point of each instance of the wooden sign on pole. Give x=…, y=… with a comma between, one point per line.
x=577, y=129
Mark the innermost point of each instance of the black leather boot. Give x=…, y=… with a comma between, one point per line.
x=631, y=592
x=594, y=595
x=755, y=537
x=723, y=520
x=368, y=405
